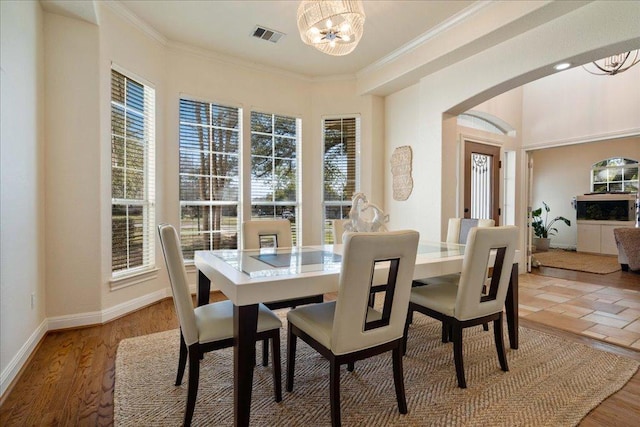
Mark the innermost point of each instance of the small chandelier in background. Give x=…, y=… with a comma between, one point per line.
x=614, y=64
x=332, y=26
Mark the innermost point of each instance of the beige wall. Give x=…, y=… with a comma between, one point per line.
x=81, y=292
x=423, y=107
x=575, y=106
x=562, y=173
x=22, y=231
x=65, y=210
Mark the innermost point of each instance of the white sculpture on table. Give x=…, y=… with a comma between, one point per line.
x=365, y=216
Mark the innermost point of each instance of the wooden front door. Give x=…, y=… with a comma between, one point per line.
x=481, y=181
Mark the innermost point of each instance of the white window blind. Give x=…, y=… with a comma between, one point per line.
x=132, y=176
x=209, y=176
x=341, y=142
x=274, y=167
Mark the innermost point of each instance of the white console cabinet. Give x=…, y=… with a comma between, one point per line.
x=597, y=236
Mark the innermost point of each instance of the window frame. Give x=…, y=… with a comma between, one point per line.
x=237, y=203
x=625, y=163
x=148, y=200
x=326, y=229
x=275, y=204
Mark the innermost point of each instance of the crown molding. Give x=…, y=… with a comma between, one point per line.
x=117, y=7
x=441, y=28
x=625, y=133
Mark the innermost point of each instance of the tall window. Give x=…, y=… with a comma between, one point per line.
x=614, y=175
x=209, y=176
x=340, y=168
x=132, y=175
x=274, y=167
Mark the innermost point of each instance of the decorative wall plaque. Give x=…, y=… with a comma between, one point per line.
x=401, y=172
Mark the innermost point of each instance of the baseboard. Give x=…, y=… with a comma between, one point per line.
x=133, y=305
x=75, y=321
x=20, y=359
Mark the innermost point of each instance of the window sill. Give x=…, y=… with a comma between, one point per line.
x=133, y=279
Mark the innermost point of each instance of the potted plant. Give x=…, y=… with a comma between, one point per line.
x=543, y=228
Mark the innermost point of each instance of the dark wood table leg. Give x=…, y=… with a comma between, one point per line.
x=245, y=323
x=511, y=306
x=203, y=289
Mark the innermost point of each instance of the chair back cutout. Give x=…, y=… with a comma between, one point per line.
x=170, y=243
x=259, y=234
x=357, y=326
x=389, y=292
x=483, y=242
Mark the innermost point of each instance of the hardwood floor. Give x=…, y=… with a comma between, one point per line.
x=70, y=378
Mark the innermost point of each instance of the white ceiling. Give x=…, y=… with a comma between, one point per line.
x=226, y=27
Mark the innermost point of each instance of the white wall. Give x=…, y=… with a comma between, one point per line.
x=562, y=173
x=22, y=232
x=81, y=291
x=575, y=106
x=72, y=165
x=478, y=78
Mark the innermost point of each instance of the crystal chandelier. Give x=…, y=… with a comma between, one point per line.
x=614, y=64
x=332, y=26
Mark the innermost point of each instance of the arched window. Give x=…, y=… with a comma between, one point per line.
x=486, y=122
x=616, y=174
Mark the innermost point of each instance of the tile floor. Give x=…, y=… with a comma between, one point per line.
x=602, y=312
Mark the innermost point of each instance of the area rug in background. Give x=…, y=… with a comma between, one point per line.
x=578, y=261
x=551, y=382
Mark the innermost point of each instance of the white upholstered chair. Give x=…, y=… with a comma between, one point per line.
x=337, y=229
x=273, y=233
x=208, y=327
x=464, y=303
x=348, y=329
x=458, y=228
x=457, y=231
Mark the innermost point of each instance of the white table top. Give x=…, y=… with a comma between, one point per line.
x=253, y=276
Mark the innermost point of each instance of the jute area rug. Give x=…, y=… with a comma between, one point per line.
x=551, y=382
x=578, y=261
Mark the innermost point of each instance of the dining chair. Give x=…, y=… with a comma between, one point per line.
x=457, y=231
x=337, y=230
x=273, y=233
x=348, y=329
x=464, y=303
x=458, y=228
x=208, y=327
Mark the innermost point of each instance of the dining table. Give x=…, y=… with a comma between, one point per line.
x=251, y=277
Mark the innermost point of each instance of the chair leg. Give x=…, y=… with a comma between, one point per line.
x=457, y=355
x=499, y=339
x=405, y=337
x=398, y=379
x=485, y=326
x=334, y=392
x=277, y=373
x=291, y=357
x=194, y=378
x=265, y=352
x=351, y=366
x=182, y=360
x=445, y=332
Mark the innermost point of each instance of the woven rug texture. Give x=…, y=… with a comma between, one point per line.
x=578, y=261
x=551, y=382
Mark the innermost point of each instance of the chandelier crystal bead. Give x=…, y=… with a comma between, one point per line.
x=334, y=27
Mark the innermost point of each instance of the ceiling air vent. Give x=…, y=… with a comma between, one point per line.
x=266, y=34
